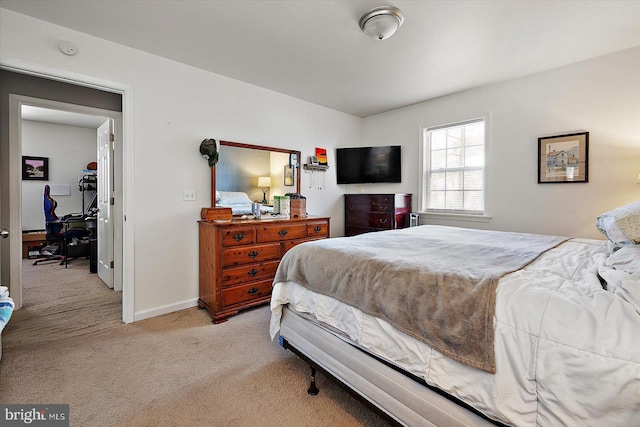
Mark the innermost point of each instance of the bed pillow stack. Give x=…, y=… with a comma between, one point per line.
x=621, y=225
x=233, y=198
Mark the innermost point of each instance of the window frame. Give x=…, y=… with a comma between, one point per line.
x=424, y=176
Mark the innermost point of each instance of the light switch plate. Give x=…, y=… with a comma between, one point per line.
x=189, y=194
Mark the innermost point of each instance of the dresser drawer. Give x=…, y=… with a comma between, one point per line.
x=357, y=205
x=249, y=273
x=318, y=229
x=370, y=219
x=248, y=292
x=360, y=219
x=366, y=205
x=379, y=220
x=281, y=232
x=252, y=254
x=382, y=199
x=238, y=236
x=381, y=207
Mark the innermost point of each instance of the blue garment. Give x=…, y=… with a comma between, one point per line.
x=6, y=308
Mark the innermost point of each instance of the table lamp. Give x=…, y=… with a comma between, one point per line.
x=264, y=182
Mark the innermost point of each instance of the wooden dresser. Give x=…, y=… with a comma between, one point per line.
x=375, y=212
x=238, y=259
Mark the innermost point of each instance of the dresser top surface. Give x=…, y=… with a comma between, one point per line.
x=253, y=221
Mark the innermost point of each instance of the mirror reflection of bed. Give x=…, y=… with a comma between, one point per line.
x=237, y=172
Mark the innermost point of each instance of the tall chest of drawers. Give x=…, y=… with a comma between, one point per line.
x=238, y=259
x=375, y=212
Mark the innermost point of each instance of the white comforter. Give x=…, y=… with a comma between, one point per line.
x=567, y=351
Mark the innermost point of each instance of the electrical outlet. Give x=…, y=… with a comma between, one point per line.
x=189, y=194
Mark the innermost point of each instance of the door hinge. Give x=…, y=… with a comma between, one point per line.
x=112, y=137
x=112, y=201
x=111, y=264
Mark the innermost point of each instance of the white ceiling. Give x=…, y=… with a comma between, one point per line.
x=315, y=51
x=38, y=114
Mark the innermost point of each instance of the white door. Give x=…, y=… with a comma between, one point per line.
x=105, y=195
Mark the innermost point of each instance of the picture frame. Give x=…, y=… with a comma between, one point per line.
x=321, y=155
x=313, y=160
x=35, y=168
x=563, y=158
x=288, y=176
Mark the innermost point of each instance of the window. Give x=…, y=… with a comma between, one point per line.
x=454, y=163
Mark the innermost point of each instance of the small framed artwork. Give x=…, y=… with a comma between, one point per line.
x=313, y=160
x=35, y=168
x=288, y=176
x=563, y=158
x=321, y=154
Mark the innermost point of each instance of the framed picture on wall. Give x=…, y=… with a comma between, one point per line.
x=288, y=176
x=35, y=168
x=563, y=158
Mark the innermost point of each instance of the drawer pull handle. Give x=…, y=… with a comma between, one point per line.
x=253, y=254
x=238, y=236
x=383, y=221
x=384, y=208
x=253, y=291
x=317, y=229
x=282, y=233
x=253, y=272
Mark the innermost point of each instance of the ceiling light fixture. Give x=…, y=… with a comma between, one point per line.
x=381, y=22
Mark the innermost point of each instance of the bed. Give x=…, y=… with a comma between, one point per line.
x=563, y=329
x=239, y=202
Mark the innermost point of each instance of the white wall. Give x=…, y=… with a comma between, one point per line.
x=601, y=96
x=69, y=149
x=174, y=108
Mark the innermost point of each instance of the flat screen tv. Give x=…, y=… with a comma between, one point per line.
x=368, y=165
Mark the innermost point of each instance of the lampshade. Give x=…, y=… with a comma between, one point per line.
x=381, y=22
x=264, y=181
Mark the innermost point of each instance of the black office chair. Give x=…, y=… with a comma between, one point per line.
x=58, y=234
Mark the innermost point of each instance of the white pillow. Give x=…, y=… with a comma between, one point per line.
x=233, y=198
x=621, y=225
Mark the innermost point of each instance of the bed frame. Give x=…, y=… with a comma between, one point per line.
x=399, y=397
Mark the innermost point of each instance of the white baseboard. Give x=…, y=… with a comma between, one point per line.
x=159, y=311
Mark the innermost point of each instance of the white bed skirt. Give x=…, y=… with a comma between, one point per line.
x=402, y=398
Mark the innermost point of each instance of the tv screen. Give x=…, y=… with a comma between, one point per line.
x=368, y=165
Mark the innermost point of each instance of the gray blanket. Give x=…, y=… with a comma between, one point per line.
x=434, y=283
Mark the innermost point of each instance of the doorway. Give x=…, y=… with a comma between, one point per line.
x=61, y=127
x=77, y=95
x=73, y=145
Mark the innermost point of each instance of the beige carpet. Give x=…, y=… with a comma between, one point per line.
x=68, y=345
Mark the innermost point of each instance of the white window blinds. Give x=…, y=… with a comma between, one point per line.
x=455, y=161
